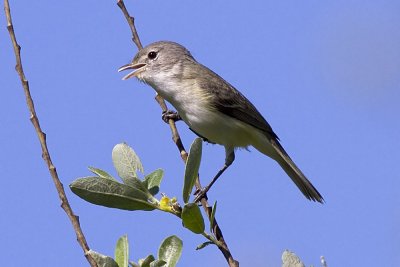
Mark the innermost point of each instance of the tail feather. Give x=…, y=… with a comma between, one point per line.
x=296, y=174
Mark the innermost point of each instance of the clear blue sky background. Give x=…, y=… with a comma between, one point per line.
x=325, y=74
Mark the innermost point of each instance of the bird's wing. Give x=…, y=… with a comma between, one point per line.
x=229, y=101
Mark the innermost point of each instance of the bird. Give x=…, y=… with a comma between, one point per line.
x=212, y=108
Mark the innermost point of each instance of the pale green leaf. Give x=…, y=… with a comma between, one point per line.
x=136, y=183
x=146, y=262
x=122, y=252
x=212, y=217
x=203, y=245
x=102, y=260
x=101, y=173
x=152, y=181
x=192, y=168
x=126, y=162
x=170, y=250
x=158, y=263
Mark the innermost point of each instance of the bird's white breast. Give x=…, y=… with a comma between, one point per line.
x=194, y=105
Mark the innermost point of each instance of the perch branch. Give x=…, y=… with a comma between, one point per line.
x=42, y=139
x=223, y=246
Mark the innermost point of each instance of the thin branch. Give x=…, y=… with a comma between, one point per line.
x=131, y=22
x=42, y=139
x=223, y=246
x=174, y=131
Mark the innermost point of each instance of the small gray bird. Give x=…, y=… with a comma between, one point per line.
x=211, y=107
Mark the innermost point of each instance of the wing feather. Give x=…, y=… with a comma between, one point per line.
x=229, y=101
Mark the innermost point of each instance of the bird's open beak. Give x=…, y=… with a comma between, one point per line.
x=139, y=67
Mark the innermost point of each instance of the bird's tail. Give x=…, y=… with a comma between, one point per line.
x=295, y=173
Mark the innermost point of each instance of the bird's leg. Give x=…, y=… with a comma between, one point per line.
x=229, y=158
x=170, y=115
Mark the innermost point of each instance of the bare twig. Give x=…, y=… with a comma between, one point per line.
x=131, y=22
x=223, y=247
x=42, y=139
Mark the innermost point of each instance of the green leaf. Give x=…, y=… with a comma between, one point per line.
x=101, y=173
x=212, y=217
x=158, y=263
x=192, y=218
x=109, y=193
x=203, y=245
x=122, y=251
x=170, y=250
x=136, y=183
x=131, y=181
x=102, y=260
x=152, y=181
x=192, y=168
x=126, y=162
x=146, y=262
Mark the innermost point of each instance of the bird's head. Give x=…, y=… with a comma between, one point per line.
x=157, y=60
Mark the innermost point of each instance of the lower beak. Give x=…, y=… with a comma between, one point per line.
x=136, y=67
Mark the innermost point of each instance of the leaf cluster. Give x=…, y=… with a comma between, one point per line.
x=168, y=255
x=134, y=193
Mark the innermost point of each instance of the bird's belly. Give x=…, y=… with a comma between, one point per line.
x=218, y=128
x=195, y=109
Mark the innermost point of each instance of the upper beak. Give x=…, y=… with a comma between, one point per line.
x=131, y=66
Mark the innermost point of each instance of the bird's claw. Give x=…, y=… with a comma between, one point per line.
x=170, y=115
x=200, y=194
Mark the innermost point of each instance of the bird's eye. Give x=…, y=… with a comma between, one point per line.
x=152, y=55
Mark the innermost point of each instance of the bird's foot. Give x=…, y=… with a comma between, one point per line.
x=170, y=115
x=200, y=194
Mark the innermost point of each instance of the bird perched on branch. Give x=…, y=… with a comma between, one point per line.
x=211, y=107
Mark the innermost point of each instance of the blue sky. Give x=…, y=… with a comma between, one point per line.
x=326, y=75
